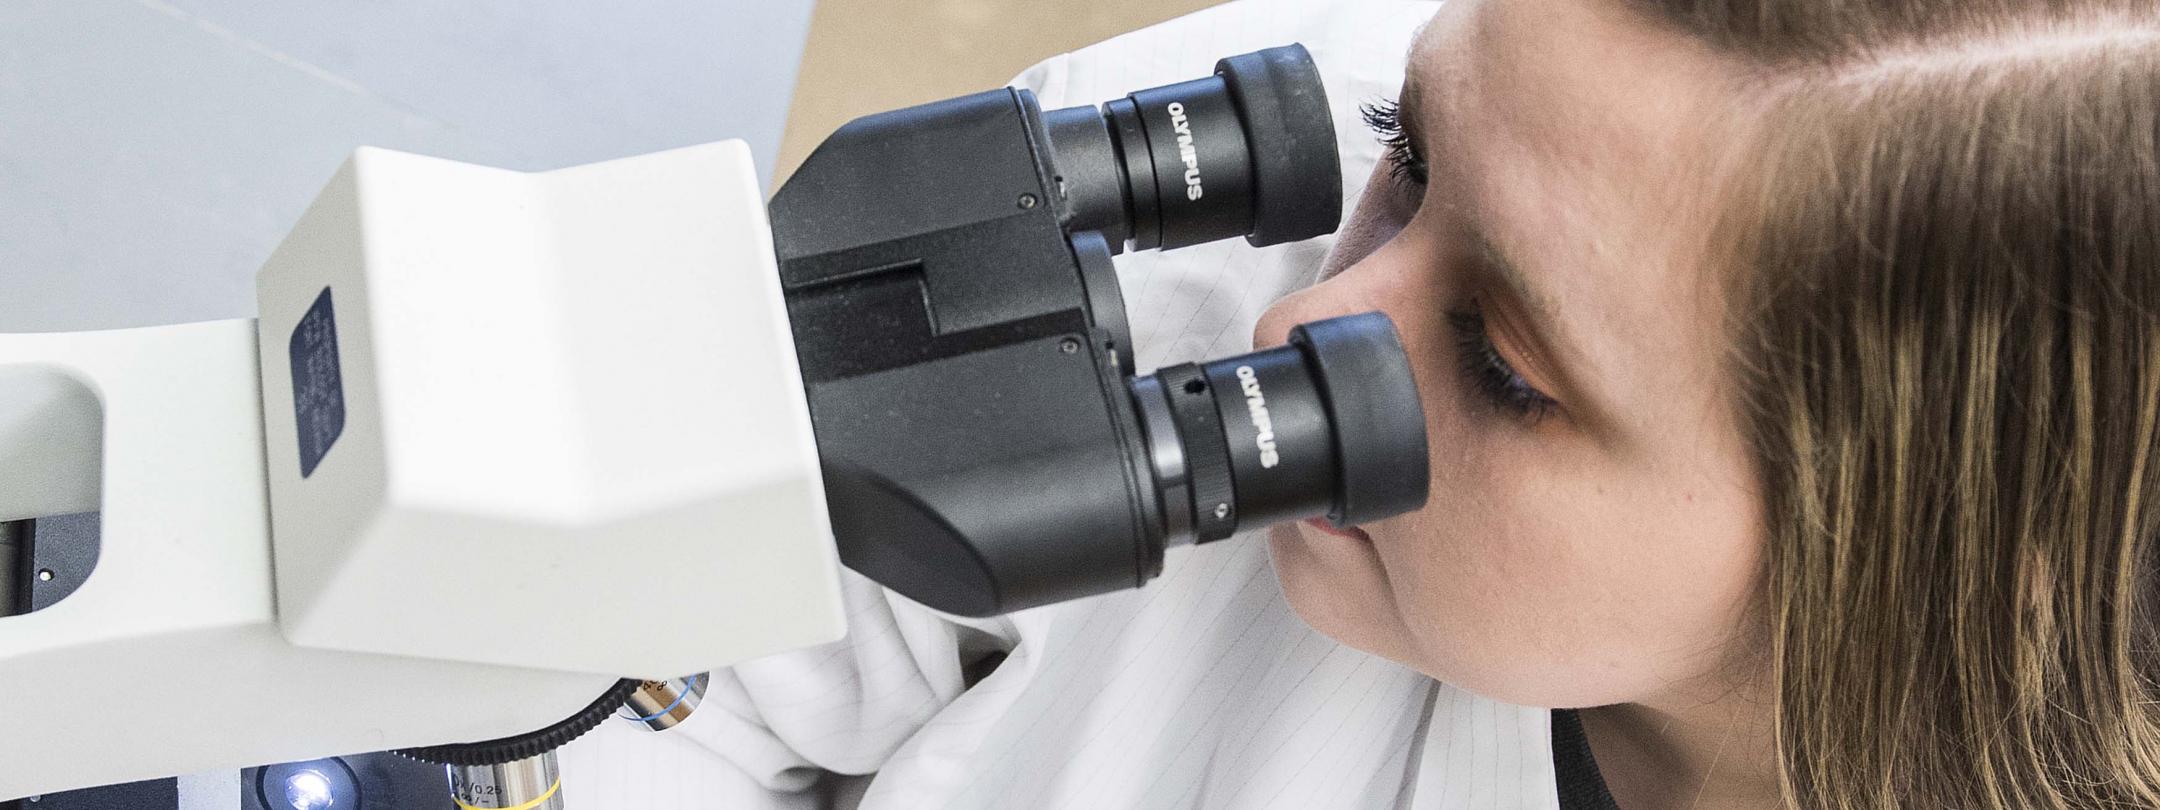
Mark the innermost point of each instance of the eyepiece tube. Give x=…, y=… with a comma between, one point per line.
x=1249, y=151
x=1329, y=424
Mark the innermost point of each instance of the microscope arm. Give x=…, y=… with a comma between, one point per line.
x=497, y=440
x=168, y=658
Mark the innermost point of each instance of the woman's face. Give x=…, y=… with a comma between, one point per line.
x=1593, y=534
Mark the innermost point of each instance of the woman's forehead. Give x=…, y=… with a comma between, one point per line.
x=1588, y=92
x=1584, y=140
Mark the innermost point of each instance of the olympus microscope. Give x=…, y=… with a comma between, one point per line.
x=507, y=454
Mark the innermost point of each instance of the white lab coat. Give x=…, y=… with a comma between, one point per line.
x=1201, y=690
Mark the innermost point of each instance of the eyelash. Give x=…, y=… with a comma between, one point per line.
x=1384, y=118
x=1494, y=379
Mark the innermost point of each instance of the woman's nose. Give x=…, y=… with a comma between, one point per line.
x=1331, y=298
x=1380, y=215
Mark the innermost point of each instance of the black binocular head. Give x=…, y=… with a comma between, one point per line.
x=963, y=339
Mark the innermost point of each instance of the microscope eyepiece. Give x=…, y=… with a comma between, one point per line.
x=1329, y=424
x=1249, y=151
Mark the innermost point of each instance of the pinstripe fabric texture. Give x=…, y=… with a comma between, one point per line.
x=1202, y=690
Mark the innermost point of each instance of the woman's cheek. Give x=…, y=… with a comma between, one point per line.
x=1490, y=576
x=1541, y=573
x=1493, y=599
x=1447, y=561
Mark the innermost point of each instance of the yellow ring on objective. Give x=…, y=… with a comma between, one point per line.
x=526, y=806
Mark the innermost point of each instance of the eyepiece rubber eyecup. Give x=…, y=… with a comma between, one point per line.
x=1297, y=174
x=1364, y=377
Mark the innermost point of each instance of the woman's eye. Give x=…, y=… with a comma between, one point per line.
x=1490, y=375
x=1384, y=118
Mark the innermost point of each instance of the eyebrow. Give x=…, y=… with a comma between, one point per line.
x=1492, y=257
x=1496, y=264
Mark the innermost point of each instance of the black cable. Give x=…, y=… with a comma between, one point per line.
x=527, y=746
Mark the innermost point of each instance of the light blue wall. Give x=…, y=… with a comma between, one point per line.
x=153, y=152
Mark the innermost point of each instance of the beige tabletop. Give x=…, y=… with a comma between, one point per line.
x=866, y=56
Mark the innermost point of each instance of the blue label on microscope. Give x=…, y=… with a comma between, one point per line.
x=318, y=383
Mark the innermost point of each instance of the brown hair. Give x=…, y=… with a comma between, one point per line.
x=1946, y=287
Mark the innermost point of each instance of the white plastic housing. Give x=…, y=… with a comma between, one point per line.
x=573, y=433
x=168, y=659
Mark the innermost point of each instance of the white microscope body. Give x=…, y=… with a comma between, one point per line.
x=497, y=440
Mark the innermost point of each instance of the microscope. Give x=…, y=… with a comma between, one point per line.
x=505, y=455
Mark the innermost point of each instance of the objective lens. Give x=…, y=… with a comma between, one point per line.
x=662, y=705
x=1329, y=424
x=532, y=783
x=1249, y=151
